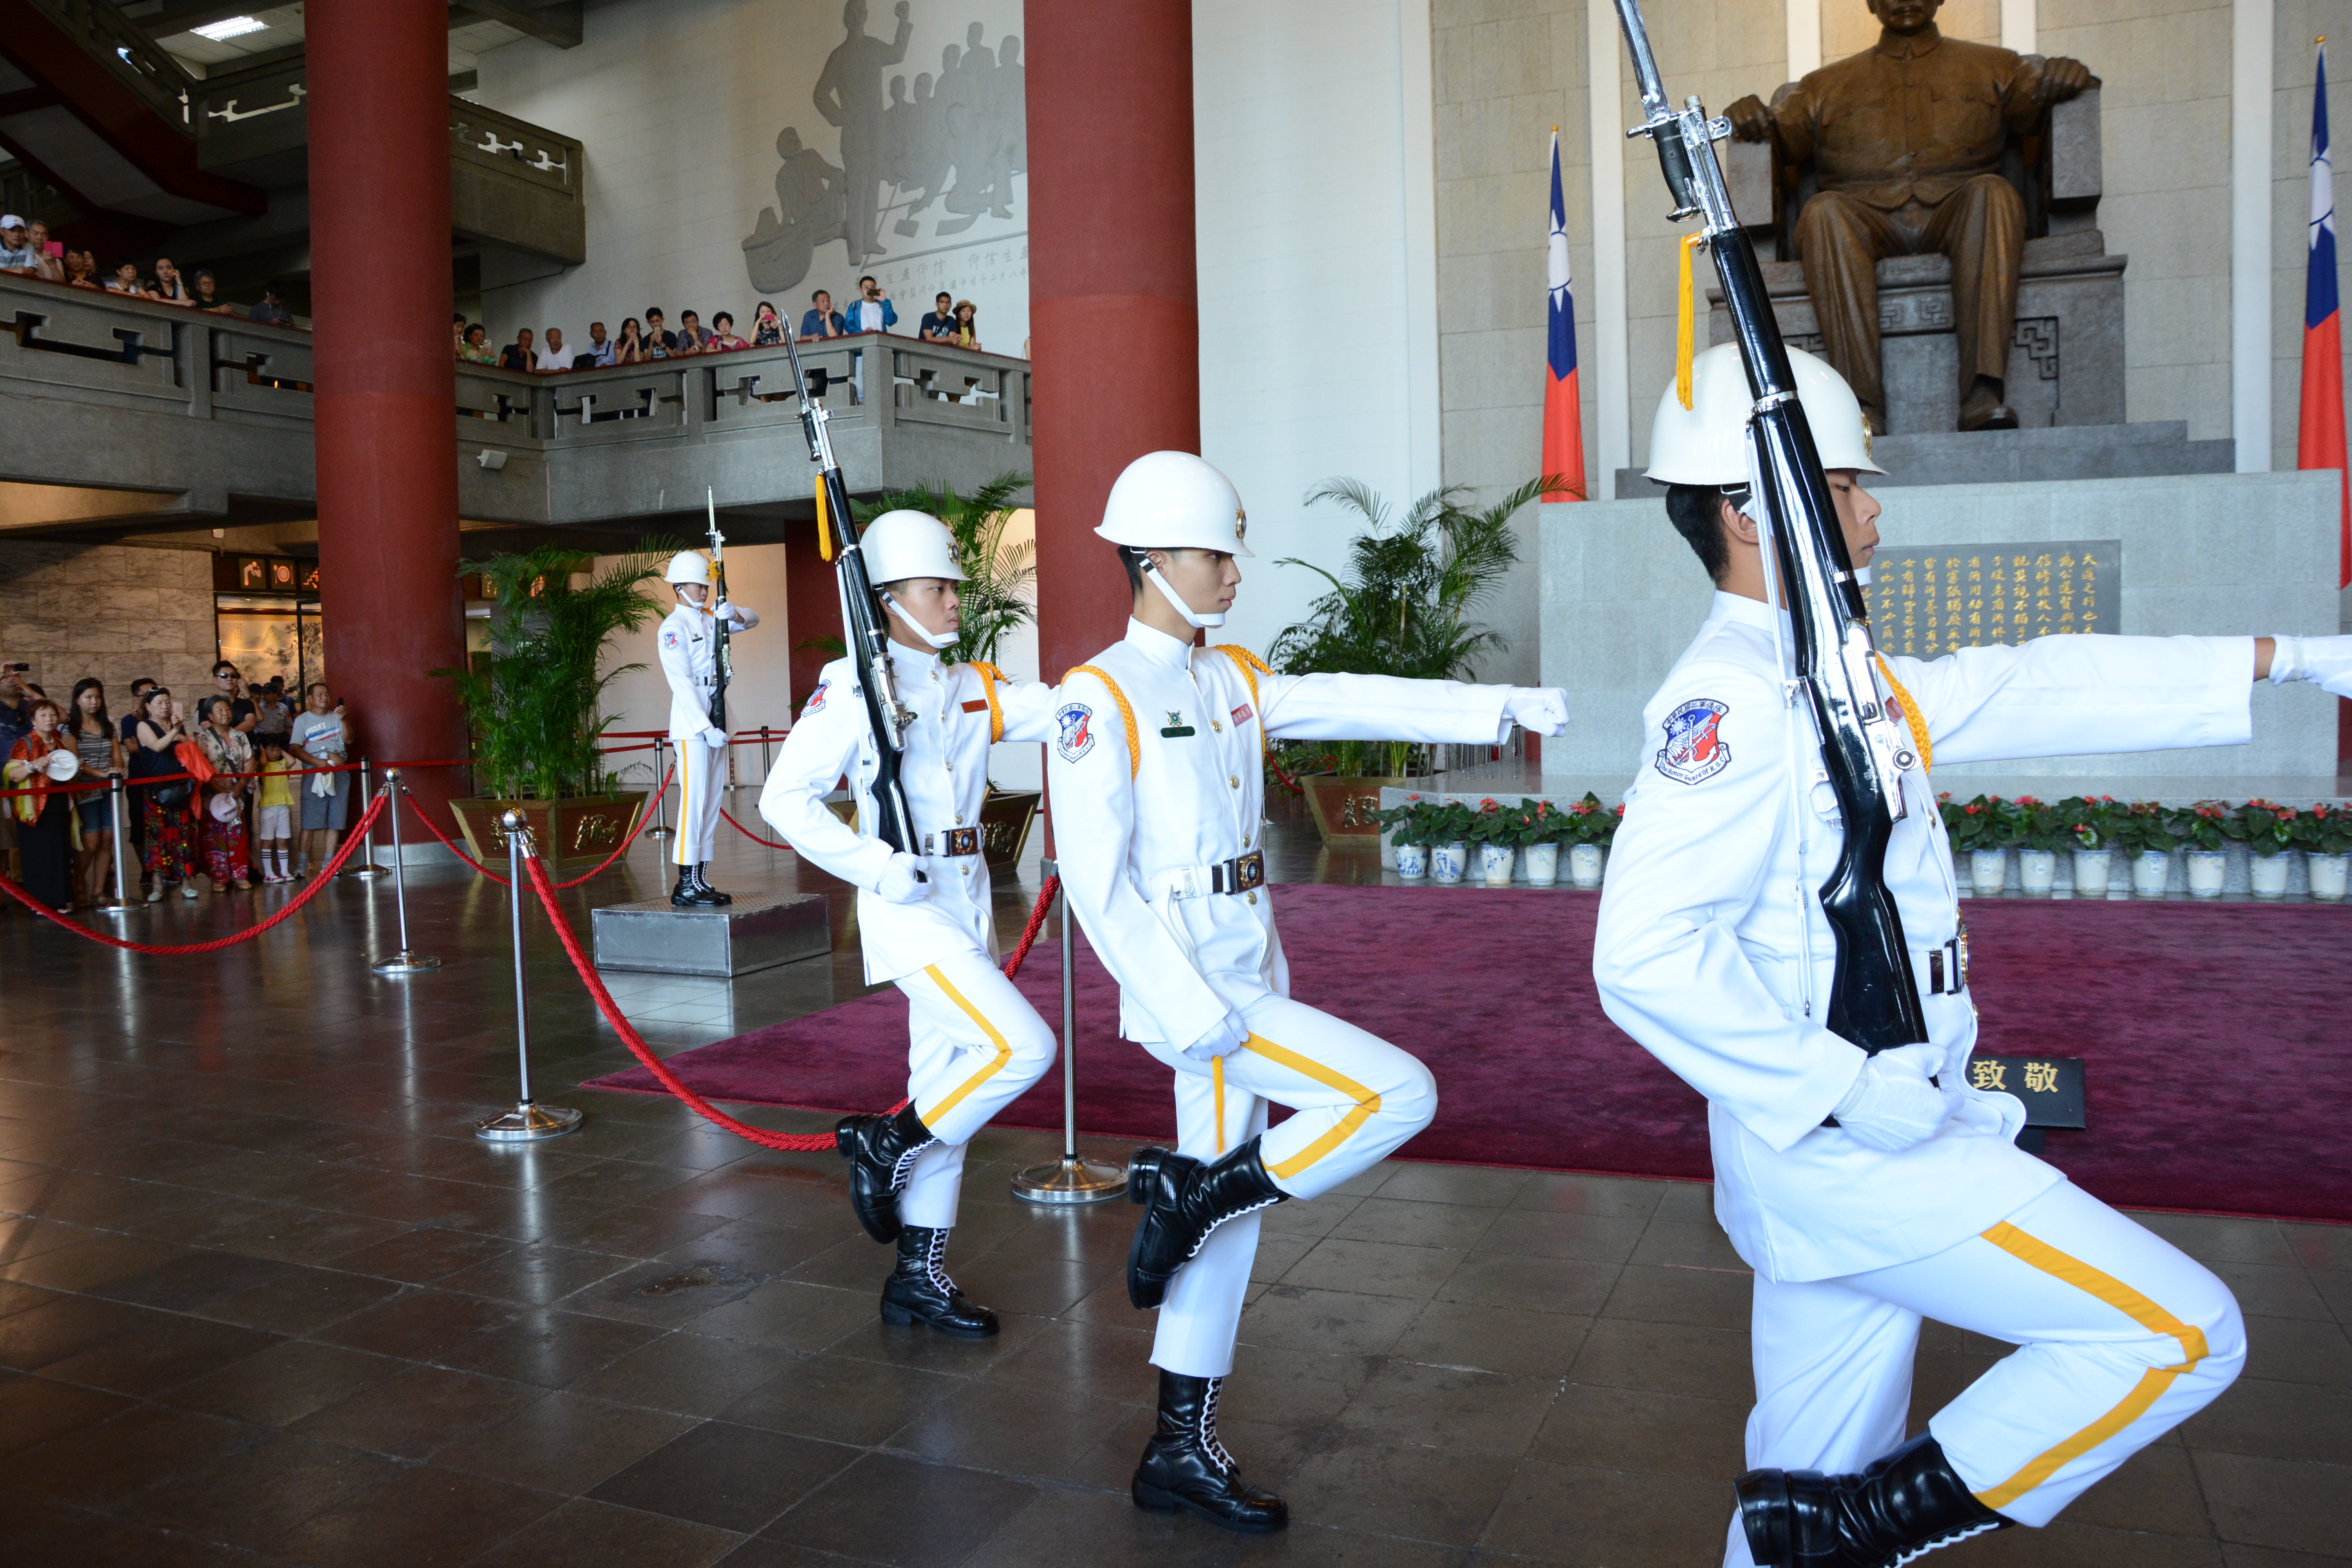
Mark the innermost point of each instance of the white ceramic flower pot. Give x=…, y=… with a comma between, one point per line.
x=2206, y=870
x=1412, y=861
x=2266, y=874
x=1987, y=871
x=2091, y=872
x=2151, y=869
x=1543, y=861
x=2328, y=876
x=1585, y=864
x=1494, y=862
x=1447, y=862
x=2037, y=871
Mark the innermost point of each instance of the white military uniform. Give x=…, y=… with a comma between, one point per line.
x=1156, y=776
x=975, y=1044
x=689, y=658
x=1713, y=953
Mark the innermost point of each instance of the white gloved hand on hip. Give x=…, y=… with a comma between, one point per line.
x=1542, y=709
x=1892, y=1104
x=901, y=880
x=1228, y=1034
x=2326, y=662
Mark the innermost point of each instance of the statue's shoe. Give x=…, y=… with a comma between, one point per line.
x=1984, y=410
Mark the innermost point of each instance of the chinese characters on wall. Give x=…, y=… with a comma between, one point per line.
x=1926, y=603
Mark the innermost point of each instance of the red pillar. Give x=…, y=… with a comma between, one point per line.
x=386, y=398
x=1114, y=333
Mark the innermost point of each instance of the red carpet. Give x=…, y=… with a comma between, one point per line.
x=2216, y=1038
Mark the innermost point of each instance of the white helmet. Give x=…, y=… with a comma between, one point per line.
x=689, y=566
x=903, y=544
x=1706, y=443
x=1174, y=500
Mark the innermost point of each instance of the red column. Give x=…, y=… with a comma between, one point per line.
x=386, y=404
x=1114, y=333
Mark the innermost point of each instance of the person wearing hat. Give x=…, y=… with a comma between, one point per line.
x=1870, y=1192
x=925, y=917
x=16, y=250
x=689, y=658
x=1157, y=774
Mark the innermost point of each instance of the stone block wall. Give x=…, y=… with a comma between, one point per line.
x=117, y=612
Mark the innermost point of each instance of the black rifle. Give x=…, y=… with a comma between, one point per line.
x=1875, y=1000
x=862, y=628
x=722, y=668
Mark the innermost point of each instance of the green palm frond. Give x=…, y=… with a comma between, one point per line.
x=1000, y=597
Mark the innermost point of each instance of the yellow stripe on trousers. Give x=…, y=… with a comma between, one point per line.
x=2133, y=1305
x=1003, y=1051
x=685, y=804
x=1367, y=1103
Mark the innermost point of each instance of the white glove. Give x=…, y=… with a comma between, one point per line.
x=713, y=736
x=2326, y=662
x=1540, y=708
x=899, y=883
x=740, y=619
x=1226, y=1037
x=1892, y=1105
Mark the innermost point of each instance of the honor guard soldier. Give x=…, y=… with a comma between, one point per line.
x=690, y=656
x=1156, y=777
x=924, y=916
x=1869, y=1192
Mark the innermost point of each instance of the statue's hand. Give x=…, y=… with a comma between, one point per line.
x=1750, y=120
x=2062, y=79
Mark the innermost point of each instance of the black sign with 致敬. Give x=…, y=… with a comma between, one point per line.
x=1925, y=603
x=2051, y=1087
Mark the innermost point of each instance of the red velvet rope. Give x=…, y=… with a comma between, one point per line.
x=351, y=841
x=644, y=816
x=749, y=834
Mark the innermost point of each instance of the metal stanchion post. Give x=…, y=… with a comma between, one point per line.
x=404, y=962
x=763, y=755
x=1070, y=1179
x=527, y=1121
x=121, y=902
x=365, y=853
x=660, y=829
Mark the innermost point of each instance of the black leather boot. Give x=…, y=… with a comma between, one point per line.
x=1184, y=1467
x=686, y=895
x=711, y=895
x=880, y=1150
x=919, y=1291
x=1903, y=1506
x=1184, y=1200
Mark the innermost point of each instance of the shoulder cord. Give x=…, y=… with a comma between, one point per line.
x=990, y=676
x=1913, y=719
x=1249, y=665
x=1126, y=714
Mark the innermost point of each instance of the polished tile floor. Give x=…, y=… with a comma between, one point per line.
x=263, y=1299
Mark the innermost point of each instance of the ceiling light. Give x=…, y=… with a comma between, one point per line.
x=230, y=27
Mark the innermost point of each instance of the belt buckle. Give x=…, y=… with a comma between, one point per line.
x=961, y=841
x=1249, y=872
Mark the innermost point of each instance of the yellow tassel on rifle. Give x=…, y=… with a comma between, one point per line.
x=824, y=524
x=1687, y=323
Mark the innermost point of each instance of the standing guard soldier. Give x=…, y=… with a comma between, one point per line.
x=925, y=917
x=1869, y=1192
x=1156, y=776
x=689, y=658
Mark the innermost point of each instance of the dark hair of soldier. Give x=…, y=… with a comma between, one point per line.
x=1134, y=560
x=1697, y=512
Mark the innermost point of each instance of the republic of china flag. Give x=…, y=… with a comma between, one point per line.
x=1563, y=434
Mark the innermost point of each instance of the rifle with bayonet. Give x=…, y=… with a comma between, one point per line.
x=1875, y=999
x=862, y=628
x=723, y=664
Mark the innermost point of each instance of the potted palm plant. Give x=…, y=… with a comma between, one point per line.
x=999, y=597
x=1401, y=605
x=532, y=700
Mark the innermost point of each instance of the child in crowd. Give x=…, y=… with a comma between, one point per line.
x=274, y=815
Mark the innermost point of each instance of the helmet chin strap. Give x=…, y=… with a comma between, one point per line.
x=915, y=626
x=1176, y=601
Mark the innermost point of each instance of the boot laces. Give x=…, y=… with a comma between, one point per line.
x=1211, y=1444
x=1915, y=1552
x=935, y=1254
x=1204, y=1241
x=906, y=1165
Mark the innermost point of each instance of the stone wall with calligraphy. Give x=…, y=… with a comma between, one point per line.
x=1927, y=602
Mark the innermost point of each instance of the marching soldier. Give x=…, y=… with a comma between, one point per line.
x=923, y=916
x=1156, y=775
x=689, y=658
x=1869, y=1192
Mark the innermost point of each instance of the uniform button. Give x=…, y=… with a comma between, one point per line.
x=959, y=819
x=1253, y=898
x=951, y=764
x=1215, y=728
x=1235, y=780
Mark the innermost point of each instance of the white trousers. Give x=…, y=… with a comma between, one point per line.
x=702, y=778
x=2120, y=1336
x=1354, y=1098
x=973, y=1045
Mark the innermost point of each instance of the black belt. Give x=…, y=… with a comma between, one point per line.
x=1241, y=874
x=953, y=841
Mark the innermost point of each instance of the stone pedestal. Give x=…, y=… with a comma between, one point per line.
x=758, y=930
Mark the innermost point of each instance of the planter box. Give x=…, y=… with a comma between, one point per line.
x=572, y=834
x=1344, y=806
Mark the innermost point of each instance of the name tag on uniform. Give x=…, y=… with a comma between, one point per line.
x=1176, y=729
x=977, y=705
x=1242, y=715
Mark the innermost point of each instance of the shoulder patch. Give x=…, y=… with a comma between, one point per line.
x=669, y=638
x=1694, y=750
x=816, y=699
x=1075, y=721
